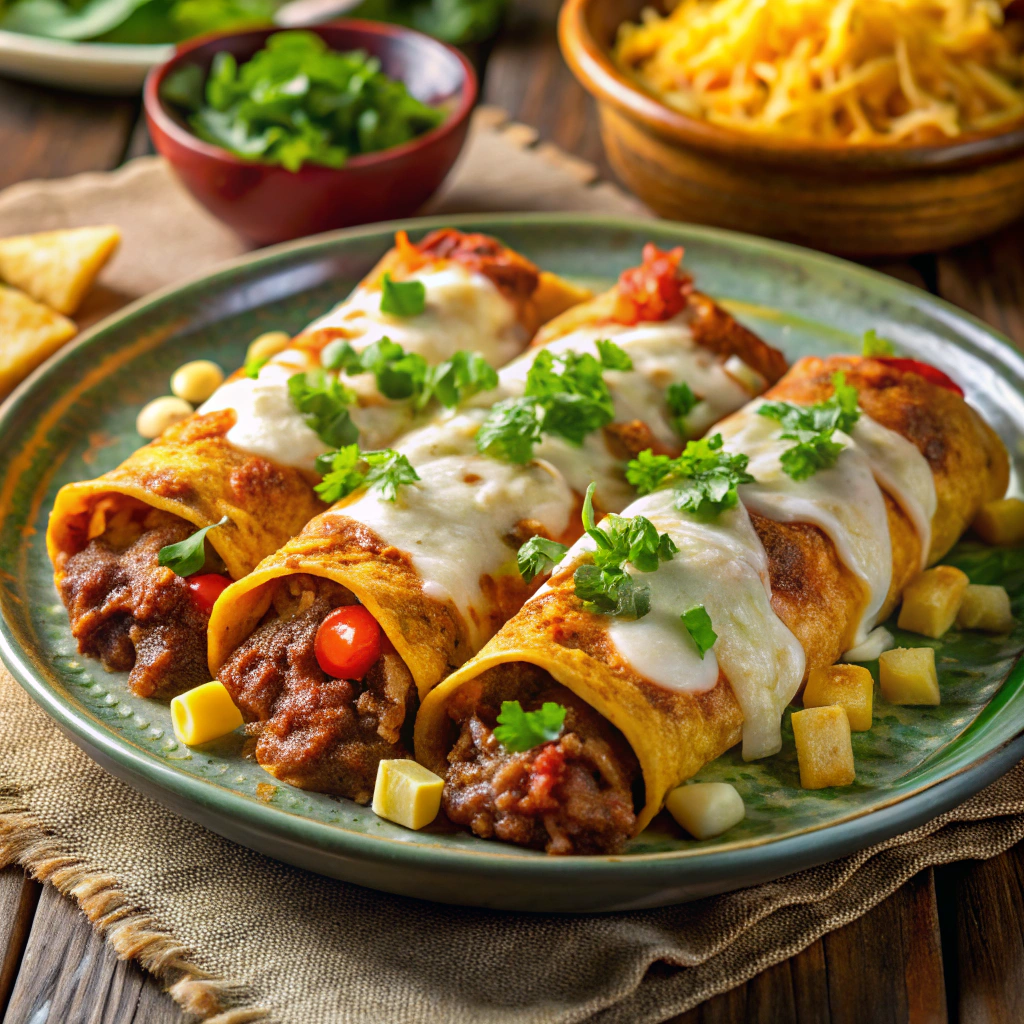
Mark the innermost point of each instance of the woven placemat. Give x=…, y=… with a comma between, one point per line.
x=238, y=937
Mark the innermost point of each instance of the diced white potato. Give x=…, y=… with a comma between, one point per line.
x=931, y=601
x=706, y=809
x=407, y=793
x=846, y=686
x=824, y=750
x=906, y=675
x=1001, y=522
x=204, y=713
x=985, y=608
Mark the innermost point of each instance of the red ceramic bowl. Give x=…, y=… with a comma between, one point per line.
x=267, y=203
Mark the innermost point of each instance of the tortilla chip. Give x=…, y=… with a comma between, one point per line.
x=57, y=267
x=29, y=333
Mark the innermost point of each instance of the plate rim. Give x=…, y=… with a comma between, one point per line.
x=664, y=866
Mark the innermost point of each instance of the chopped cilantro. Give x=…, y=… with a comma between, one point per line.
x=876, y=345
x=539, y=555
x=340, y=355
x=188, y=556
x=458, y=379
x=698, y=625
x=399, y=374
x=342, y=473
x=324, y=401
x=253, y=367
x=388, y=471
x=812, y=427
x=705, y=476
x=520, y=730
x=402, y=298
x=510, y=431
x=612, y=357
x=681, y=402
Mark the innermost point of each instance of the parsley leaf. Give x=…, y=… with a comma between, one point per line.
x=510, y=431
x=698, y=625
x=520, y=730
x=253, y=367
x=705, y=476
x=402, y=298
x=539, y=555
x=188, y=556
x=681, y=402
x=399, y=374
x=812, y=427
x=388, y=471
x=459, y=378
x=324, y=401
x=342, y=473
x=612, y=357
x=340, y=355
x=876, y=345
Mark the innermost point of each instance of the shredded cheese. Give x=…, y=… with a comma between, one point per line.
x=854, y=71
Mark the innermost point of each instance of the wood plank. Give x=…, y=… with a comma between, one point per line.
x=19, y=896
x=46, y=133
x=70, y=976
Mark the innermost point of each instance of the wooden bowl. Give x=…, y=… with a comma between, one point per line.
x=268, y=203
x=853, y=200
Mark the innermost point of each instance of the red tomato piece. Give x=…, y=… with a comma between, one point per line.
x=658, y=289
x=348, y=642
x=930, y=373
x=206, y=588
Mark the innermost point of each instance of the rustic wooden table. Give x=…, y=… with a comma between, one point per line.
x=947, y=947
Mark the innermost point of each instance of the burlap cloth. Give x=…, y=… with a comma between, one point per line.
x=239, y=937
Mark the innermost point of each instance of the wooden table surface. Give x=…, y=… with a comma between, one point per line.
x=947, y=947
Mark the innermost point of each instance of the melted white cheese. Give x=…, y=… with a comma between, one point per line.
x=722, y=566
x=878, y=641
x=464, y=310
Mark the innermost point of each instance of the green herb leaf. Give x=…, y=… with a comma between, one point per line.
x=876, y=345
x=402, y=298
x=253, y=367
x=539, y=555
x=520, y=730
x=342, y=471
x=324, y=401
x=388, y=471
x=188, y=556
x=698, y=625
x=613, y=357
x=510, y=431
x=399, y=374
x=341, y=356
x=681, y=402
x=458, y=379
x=612, y=592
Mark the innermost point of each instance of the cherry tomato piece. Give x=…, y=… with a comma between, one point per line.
x=930, y=373
x=348, y=642
x=206, y=588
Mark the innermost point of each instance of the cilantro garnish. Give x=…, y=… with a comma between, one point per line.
x=566, y=396
x=812, y=427
x=253, y=367
x=876, y=345
x=324, y=401
x=705, y=476
x=348, y=469
x=698, y=625
x=399, y=374
x=458, y=379
x=188, y=556
x=539, y=555
x=402, y=298
x=681, y=402
x=520, y=730
x=340, y=355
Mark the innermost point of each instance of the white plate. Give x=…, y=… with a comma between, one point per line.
x=112, y=68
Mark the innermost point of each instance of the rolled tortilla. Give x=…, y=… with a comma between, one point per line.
x=780, y=596
x=249, y=454
x=437, y=567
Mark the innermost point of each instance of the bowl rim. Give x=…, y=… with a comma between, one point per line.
x=158, y=115
x=592, y=66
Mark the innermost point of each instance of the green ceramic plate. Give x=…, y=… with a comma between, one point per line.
x=74, y=419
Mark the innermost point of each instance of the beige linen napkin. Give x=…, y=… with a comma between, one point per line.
x=239, y=937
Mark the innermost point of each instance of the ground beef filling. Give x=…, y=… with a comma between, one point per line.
x=314, y=731
x=132, y=613
x=575, y=795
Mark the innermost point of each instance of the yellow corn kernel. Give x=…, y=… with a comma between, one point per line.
x=823, y=748
x=204, y=713
x=985, y=608
x=931, y=600
x=846, y=686
x=407, y=793
x=1001, y=522
x=906, y=675
x=706, y=809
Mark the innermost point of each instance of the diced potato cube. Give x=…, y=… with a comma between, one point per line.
x=1001, y=522
x=706, y=809
x=847, y=686
x=823, y=748
x=985, y=608
x=931, y=601
x=204, y=713
x=907, y=675
x=407, y=793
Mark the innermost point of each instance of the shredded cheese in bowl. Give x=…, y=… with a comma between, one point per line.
x=853, y=71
